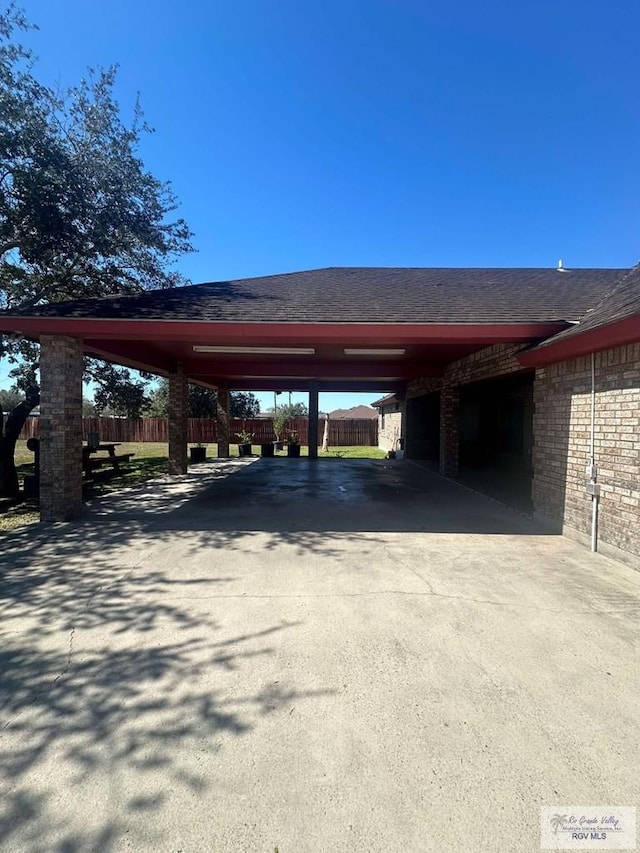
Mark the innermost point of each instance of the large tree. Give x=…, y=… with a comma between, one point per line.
x=120, y=395
x=80, y=216
x=293, y=410
x=9, y=399
x=202, y=402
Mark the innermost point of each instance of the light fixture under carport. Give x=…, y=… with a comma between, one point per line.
x=374, y=351
x=257, y=350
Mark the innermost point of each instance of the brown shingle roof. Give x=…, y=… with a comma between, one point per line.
x=388, y=400
x=619, y=303
x=364, y=295
x=355, y=412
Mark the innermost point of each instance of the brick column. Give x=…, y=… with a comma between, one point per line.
x=404, y=422
x=60, y=427
x=313, y=421
x=222, y=415
x=449, y=429
x=178, y=413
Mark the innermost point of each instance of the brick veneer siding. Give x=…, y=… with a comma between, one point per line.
x=562, y=423
x=488, y=363
x=449, y=429
x=177, y=426
x=418, y=387
x=389, y=434
x=561, y=427
x=60, y=427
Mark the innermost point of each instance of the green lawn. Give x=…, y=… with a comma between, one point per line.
x=355, y=452
x=150, y=460
x=145, y=451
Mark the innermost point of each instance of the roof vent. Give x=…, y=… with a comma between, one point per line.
x=560, y=267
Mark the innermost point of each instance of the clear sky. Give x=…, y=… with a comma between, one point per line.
x=361, y=132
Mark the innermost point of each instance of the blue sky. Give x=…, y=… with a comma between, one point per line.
x=301, y=135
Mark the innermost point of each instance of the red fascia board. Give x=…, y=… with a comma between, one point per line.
x=593, y=340
x=265, y=333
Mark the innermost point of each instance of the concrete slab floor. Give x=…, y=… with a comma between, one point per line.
x=297, y=656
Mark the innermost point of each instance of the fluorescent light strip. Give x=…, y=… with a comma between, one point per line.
x=374, y=352
x=258, y=350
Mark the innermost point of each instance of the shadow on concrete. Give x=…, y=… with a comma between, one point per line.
x=106, y=664
x=107, y=668
x=293, y=497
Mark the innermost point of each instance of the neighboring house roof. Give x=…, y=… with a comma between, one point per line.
x=363, y=295
x=355, y=412
x=389, y=400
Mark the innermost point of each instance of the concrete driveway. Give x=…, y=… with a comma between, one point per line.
x=290, y=656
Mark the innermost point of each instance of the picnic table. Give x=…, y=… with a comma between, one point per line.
x=91, y=461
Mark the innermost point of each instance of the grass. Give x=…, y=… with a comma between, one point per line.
x=353, y=452
x=17, y=516
x=150, y=460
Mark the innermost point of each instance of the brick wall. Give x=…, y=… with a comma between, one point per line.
x=418, y=387
x=60, y=428
x=177, y=422
x=487, y=363
x=562, y=423
x=389, y=428
x=561, y=426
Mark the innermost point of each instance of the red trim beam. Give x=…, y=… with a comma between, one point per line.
x=594, y=340
x=263, y=334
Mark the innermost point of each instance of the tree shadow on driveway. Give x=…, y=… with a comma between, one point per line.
x=116, y=666
x=113, y=674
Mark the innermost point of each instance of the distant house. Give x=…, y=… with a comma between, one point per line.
x=390, y=425
x=354, y=413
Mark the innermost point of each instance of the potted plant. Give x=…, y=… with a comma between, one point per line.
x=267, y=448
x=244, y=443
x=279, y=423
x=198, y=453
x=293, y=444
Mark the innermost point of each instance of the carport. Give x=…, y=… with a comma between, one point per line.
x=392, y=330
x=308, y=657
x=323, y=330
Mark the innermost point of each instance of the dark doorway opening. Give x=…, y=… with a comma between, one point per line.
x=423, y=428
x=496, y=438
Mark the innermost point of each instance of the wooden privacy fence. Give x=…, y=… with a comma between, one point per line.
x=342, y=433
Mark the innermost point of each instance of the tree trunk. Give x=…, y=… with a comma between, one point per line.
x=9, y=435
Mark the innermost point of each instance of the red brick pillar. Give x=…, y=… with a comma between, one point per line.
x=223, y=411
x=449, y=429
x=60, y=427
x=178, y=413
